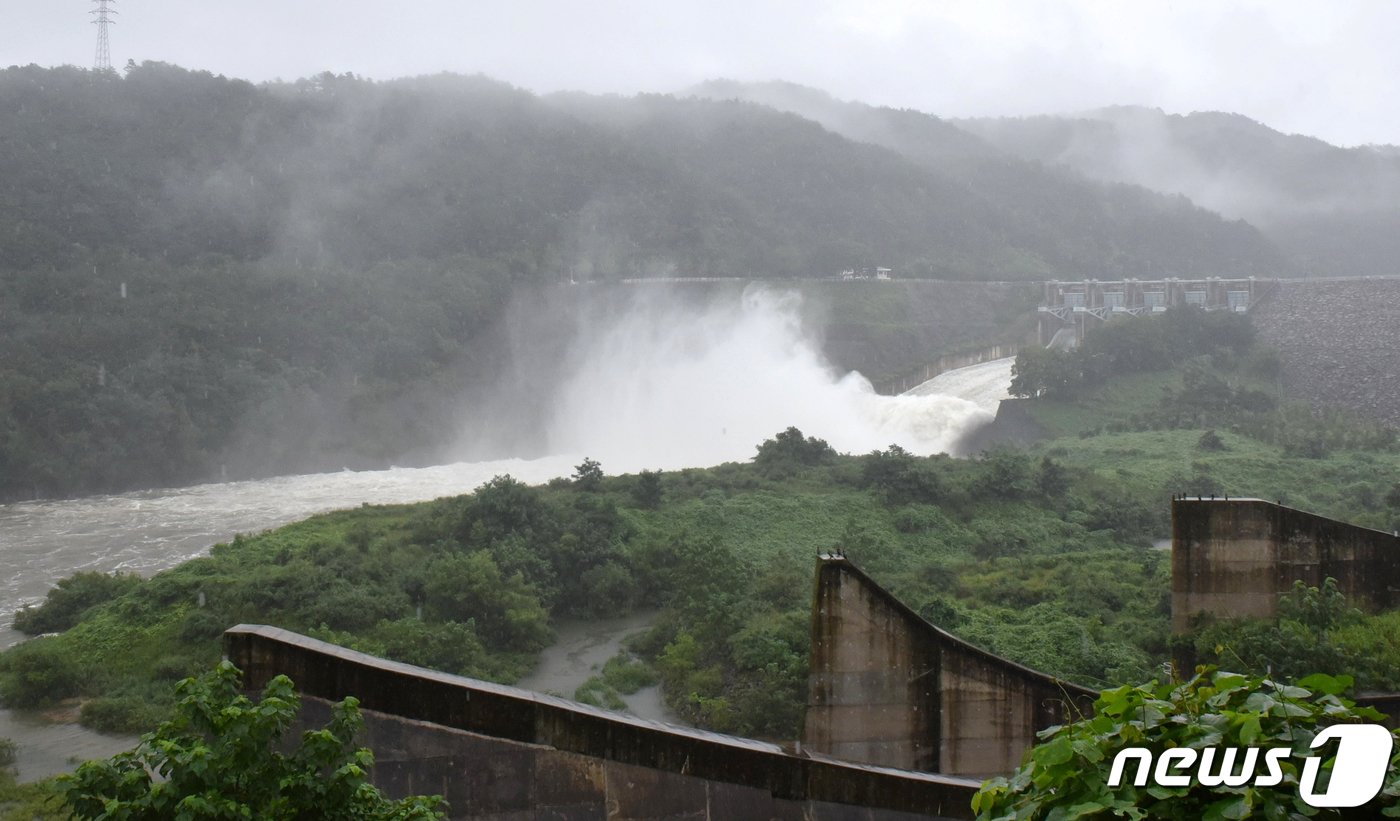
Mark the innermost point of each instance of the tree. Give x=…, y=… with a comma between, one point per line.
x=1051, y=479
x=588, y=475
x=648, y=492
x=1044, y=372
x=222, y=756
x=1066, y=776
x=1392, y=497
x=789, y=451
x=1006, y=474
x=901, y=476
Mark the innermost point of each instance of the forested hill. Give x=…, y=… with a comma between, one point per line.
x=1332, y=210
x=177, y=164
x=1110, y=228
x=203, y=277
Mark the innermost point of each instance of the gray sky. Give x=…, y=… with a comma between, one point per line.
x=1327, y=68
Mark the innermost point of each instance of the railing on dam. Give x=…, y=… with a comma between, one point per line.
x=492, y=750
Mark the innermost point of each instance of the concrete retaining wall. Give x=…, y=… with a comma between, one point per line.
x=943, y=364
x=888, y=688
x=1234, y=558
x=498, y=752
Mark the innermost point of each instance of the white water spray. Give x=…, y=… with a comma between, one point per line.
x=671, y=387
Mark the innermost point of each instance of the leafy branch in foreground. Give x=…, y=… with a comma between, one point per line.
x=221, y=757
x=1067, y=775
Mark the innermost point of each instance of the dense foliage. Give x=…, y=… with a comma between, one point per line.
x=1316, y=629
x=203, y=278
x=1187, y=370
x=1129, y=346
x=470, y=585
x=1067, y=775
x=224, y=756
x=1040, y=556
x=70, y=599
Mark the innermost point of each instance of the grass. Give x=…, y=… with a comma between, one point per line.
x=1057, y=575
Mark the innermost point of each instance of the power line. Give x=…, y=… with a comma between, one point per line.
x=103, y=60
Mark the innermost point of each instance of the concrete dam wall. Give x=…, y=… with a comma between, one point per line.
x=502, y=753
x=1338, y=342
x=1234, y=558
x=888, y=688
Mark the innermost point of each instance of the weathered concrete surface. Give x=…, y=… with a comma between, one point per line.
x=497, y=752
x=1234, y=558
x=888, y=688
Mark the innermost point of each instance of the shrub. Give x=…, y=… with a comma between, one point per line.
x=1210, y=440
x=121, y=714
x=37, y=673
x=1067, y=775
x=790, y=451
x=223, y=756
x=64, y=605
x=627, y=675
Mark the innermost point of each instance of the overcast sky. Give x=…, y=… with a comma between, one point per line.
x=1329, y=68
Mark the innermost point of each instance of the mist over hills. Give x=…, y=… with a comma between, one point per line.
x=203, y=277
x=177, y=164
x=1331, y=210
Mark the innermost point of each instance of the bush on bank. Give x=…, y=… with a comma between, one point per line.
x=1068, y=774
x=1042, y=556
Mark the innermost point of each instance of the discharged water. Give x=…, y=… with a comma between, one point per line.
x=145, y=532
x=984, y=385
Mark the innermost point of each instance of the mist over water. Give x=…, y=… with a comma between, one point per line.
x=659, y=385
x=677, y=386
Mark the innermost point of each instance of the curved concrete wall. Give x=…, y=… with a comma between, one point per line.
x=943, y=364
x=502, y=753
x=888, y=688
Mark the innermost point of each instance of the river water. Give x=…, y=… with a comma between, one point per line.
x=145, y=532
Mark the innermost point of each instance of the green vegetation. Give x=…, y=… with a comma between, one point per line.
x=1315, y=630
x=71, y=598
x=1187, y=403
x=1131, y=346
x=622, y=675
x=29, y=802
x=1067, y=775
x=223, y=755
x=201, y=277
x=1042, y=555
x=469, y=584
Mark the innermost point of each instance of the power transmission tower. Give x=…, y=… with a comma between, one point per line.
x=103, y=60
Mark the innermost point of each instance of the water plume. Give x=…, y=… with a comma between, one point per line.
x=669, y=385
